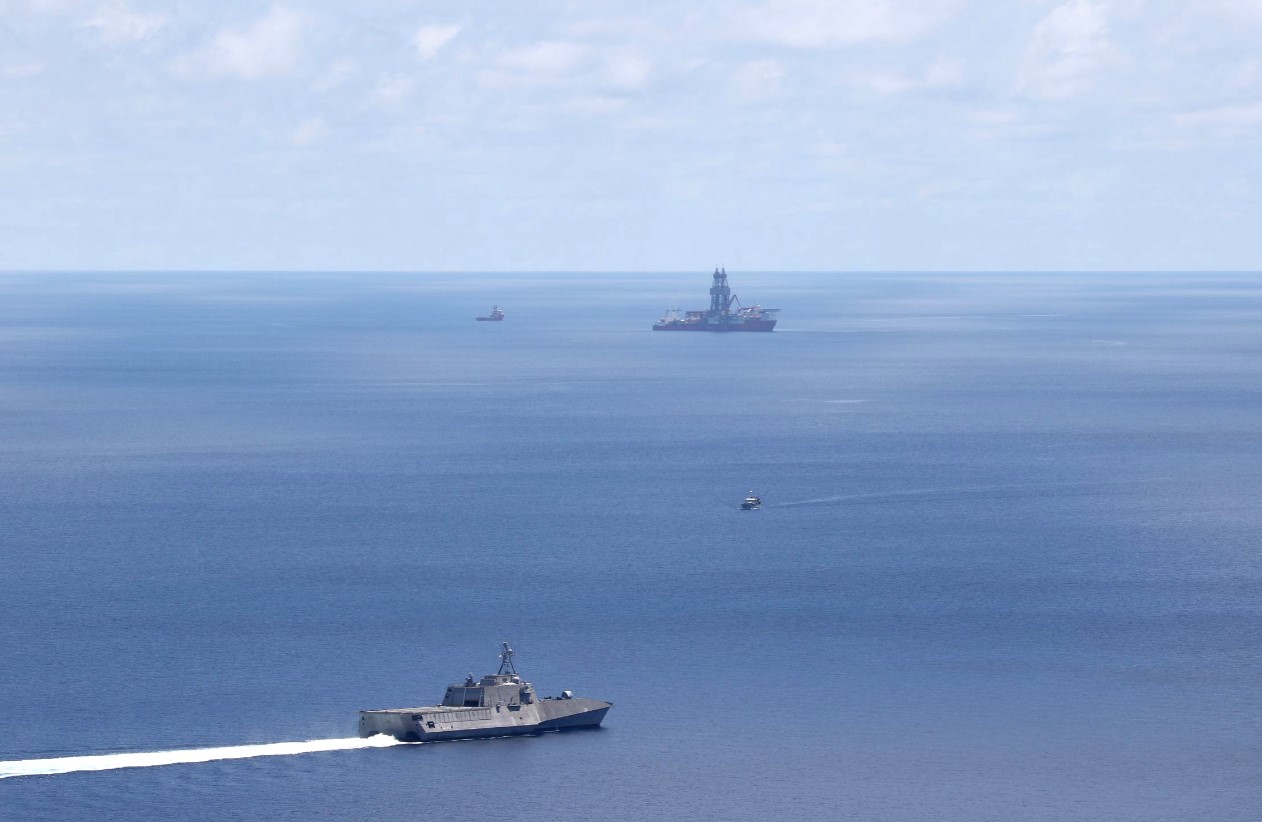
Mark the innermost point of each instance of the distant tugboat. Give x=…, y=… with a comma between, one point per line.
x=496, y=315
x=721, y=316
x=751, y=503
x=500, y=704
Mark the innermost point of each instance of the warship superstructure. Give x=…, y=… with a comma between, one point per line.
x=724, y=314
x=500, y=704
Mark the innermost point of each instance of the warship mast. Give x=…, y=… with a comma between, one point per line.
x=506, y=660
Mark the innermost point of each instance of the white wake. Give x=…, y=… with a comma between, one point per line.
x=150, y=759
x=920, y=492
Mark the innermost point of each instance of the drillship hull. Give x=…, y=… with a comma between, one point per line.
x=748, y=325
x=440, y=722
x=724, y=315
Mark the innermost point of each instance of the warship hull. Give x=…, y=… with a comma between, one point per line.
x=501, y=704
x=438, y=722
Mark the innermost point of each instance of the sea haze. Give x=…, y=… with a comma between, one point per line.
x=1007, y=568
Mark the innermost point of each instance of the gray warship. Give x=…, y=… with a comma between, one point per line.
x=500, y=704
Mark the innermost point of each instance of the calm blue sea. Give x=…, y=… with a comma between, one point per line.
x=1009, y=565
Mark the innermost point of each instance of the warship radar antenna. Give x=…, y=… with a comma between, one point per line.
x=506, y=660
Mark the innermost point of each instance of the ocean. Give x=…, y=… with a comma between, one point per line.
x=1008, y=565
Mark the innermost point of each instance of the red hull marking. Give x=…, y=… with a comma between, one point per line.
x=762, y=326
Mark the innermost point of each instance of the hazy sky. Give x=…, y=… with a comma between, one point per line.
x=611, y=134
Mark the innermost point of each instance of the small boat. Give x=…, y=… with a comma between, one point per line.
x=751, y=503
x=496, y=315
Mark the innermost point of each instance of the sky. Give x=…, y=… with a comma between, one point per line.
x=621, y=135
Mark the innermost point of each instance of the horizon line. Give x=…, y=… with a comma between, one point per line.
x=164, y=270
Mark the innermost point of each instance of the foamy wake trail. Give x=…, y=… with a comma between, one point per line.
x=877, y=496
x=150, y=759
x=920, y=492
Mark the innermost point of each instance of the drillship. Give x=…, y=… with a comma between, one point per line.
x=500, y=704
x=720, y=316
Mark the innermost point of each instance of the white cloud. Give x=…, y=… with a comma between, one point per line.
x=21, y=71
x=758, y=80
x=880, y=83
x=1239, y=188
x=399, y=140
x=430, y=39
x=940, y=75
x=867, y=90
x=945, y=74
x=309, y=131
x=271, y=45
x=336, y=75
x=825, y=23
x=1247, y=74
x=553, y=57
x=829, y=149
x=1245, y=10
x=392, y=90
x=588, y=71
x=52, y=6
x=1224, y=120
x=595, y=105
x=550, y=63
x=627, y=71
x=1070, y=45
x=116, y=23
